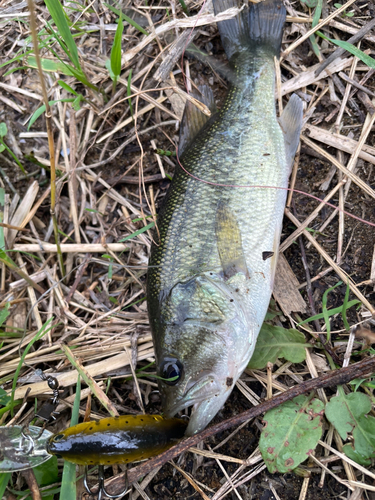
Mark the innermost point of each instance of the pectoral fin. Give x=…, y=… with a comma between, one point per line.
x=291, y=124
x=229, y=243
x=193, y=119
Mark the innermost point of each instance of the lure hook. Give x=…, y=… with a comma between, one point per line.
x=102, y=491
x=30, y=439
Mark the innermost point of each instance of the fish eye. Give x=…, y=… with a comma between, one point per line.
x=171, y=371
x=58, y=437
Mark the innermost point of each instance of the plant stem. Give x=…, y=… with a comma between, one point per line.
x=329, y=379
x=49, y=133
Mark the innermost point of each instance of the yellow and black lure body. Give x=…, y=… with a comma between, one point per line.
x=117, y=440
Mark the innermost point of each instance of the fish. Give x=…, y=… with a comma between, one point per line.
x=117, y=440
x=213, y=262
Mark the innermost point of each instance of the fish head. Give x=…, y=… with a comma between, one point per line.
x=206, y=346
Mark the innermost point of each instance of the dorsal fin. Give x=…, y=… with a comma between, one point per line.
x=229, y=243
x=193, y=119
x=291, y=124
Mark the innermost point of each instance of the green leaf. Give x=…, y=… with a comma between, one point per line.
x=331, y=312
x=277, y=342
x=345, y=307
x=354, y=455
x=61, y=66
x=4, y=313
x=58, y=15
x=45, y=328
x=4, y=398
x=184, y=7
x=42, y=109
x=348, y=414
x=352, y=49
x=4, y=480
x=50, y=65
x=291, y=433
x=310, y=3
x=77, y=103
x=2, y=148
x=317, y=14
x=46, y=474
x=68, y=483
x=116, y=50
x=67, y=87
x=13, y=156
x=126, y=18
x=109, y=68
x=325, y=309
x=3, y=129
x=140, y=231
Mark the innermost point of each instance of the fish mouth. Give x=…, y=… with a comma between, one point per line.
x=206, y=398
x=196, y=394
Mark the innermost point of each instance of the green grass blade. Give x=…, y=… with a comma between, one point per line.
x=127, y=19
x=37, y=337
x=331, y=312
x=67, y=87
x=4, y=313
x=140, y=231
x=4, y=257
x=66, y=69
x=317, y=14
x=50, y=66
x=345, y=307
x=68, y=483
x=325, y=314
x=2, y=207
x=116, y=50
x=4, y=480
x=13, y=156
x=58, y=15
x=42, y=109
x=352, y=49
x=16, y=58
x=184, y=7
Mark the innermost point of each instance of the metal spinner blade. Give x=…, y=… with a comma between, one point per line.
x=22, y=448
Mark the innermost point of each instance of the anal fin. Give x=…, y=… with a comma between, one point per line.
x=291, y=124
x=229, y=243
x=193, y=119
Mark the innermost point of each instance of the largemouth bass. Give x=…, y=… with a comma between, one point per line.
x=212, y=271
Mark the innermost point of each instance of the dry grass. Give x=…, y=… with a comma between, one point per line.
x=109, y=184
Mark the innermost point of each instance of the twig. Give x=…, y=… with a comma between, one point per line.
x=356, y=84
x=30, y=478
x=72, y=247
x=329, y=379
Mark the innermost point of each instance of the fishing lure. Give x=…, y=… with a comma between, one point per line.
x=116, y=440
x=108, y=441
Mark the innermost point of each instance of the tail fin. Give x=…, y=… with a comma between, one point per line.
x=260, y=25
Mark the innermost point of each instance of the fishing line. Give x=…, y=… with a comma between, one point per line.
x=275, y=187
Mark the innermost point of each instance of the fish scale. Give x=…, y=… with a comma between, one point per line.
x=214, y=234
